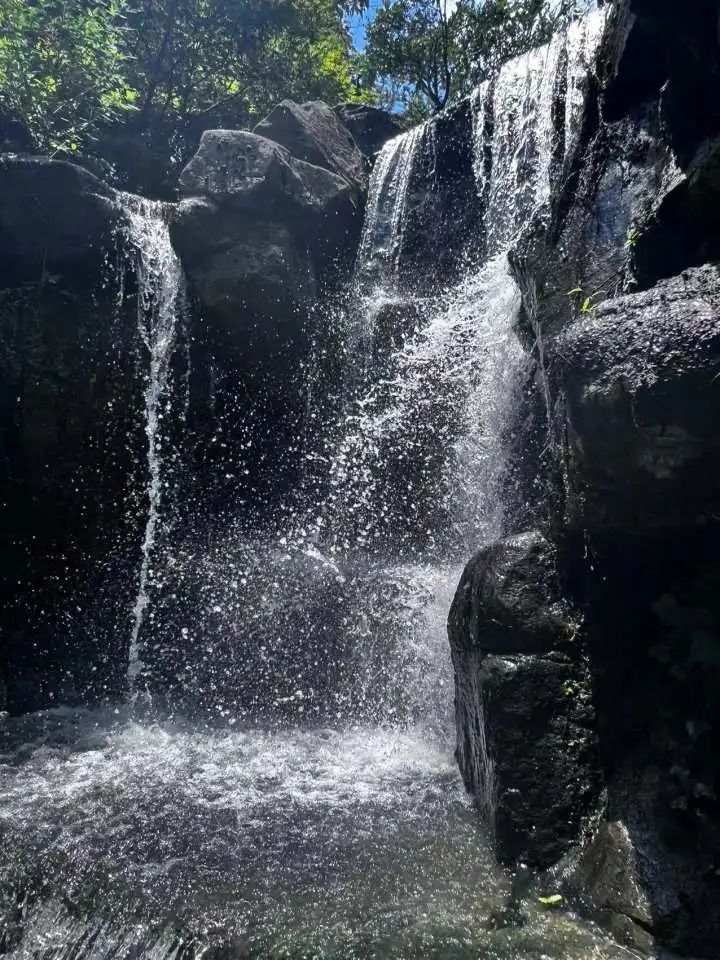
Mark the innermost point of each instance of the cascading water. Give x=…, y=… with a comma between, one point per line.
x=161, y=302
x=313, y=809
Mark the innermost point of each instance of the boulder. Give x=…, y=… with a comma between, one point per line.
x=639, y=377
x=256, y=175
x=609, y=874
x=54, y=217
x=524, y=716
x=257, y=228
x=370, y=126
x=509, y=599
x=241, y=274
x=313, y=132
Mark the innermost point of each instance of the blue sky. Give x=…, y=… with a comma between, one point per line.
x=358, y=22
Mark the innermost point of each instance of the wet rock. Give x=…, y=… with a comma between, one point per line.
x=370, y=126
x=509, y=599
x=55, y=217
x=314, y=132
x=638, y=373
x=620, y=311
x=539, y=718
x=524, y=716
x=608, y=873
x=242, y=270
x=443, y=222
x=71, y=447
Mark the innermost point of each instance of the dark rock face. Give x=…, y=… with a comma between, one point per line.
x=443, y=212
x=71, y=437
x=242, y=274
x=313, y=132
x=371, y=127
x=265, y=239
x=639, y=379
x=53, y=216
x=509, y=599
x=523, y=700
x=620, y=289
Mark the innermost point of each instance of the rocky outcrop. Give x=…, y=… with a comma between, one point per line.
x=526, y=743
x=261, y=234
x=370, y=126
x=639, y=380
x=313, y=132
x=265, y=238
x=54, y=217
x=257, y=230
x=71, y=436
x=620, y=315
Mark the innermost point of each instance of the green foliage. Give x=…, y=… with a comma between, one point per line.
x=554, y=900
x=137, y=81
x=409, y=47
x=425, y=52
x=62, y=68
x=631, y=241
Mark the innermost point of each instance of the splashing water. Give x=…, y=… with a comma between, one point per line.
x=161, y=302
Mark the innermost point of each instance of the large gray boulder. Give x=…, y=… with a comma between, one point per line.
x=524, y=716
x=313, y=132
x=257, y=229
x=257, y=175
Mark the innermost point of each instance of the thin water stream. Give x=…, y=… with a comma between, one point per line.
x=301, y=799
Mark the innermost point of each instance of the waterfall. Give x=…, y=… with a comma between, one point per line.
x=160, y=305
x=294, y=791
x=526, y=141
x=381, y=244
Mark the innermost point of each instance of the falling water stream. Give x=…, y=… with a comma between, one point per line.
x=161, y=304
x=304, y=802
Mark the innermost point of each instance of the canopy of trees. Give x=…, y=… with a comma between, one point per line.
x=135, y=82
x=422, y=53
x=132, y=84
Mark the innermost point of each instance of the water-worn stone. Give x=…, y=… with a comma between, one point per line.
x=313, y=132
x=539, y=727
x=509, y=599
x=522, y=698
